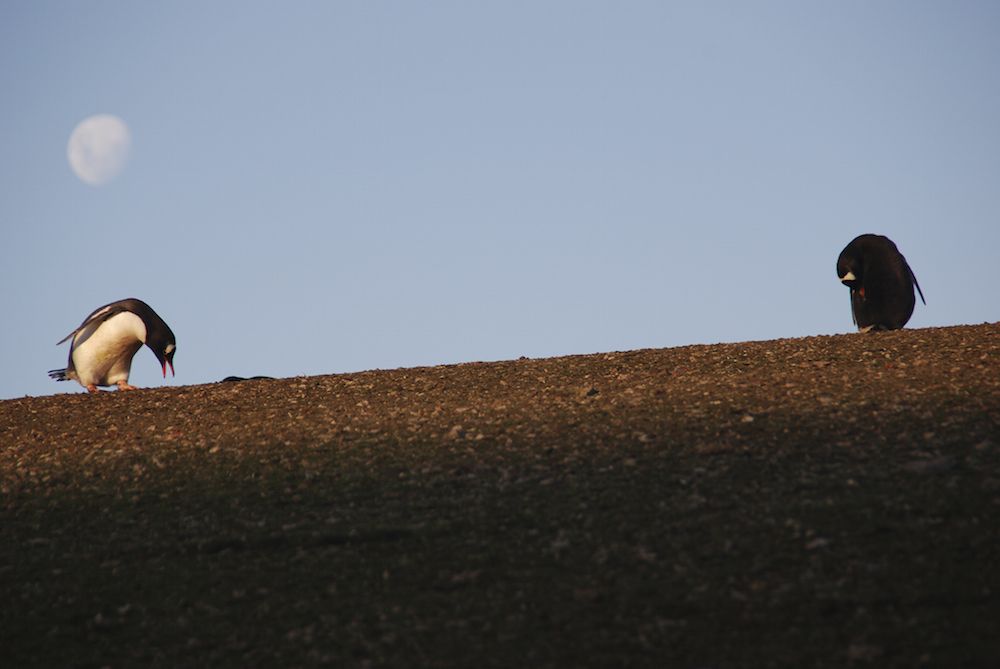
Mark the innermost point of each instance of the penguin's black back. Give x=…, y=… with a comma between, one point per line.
x=882, y=296
x=157, y=330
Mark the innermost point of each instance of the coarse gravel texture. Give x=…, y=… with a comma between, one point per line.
x=818, y=502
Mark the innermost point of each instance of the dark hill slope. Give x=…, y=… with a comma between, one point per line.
x=824, y=502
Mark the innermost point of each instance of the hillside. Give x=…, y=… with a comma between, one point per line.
x=824, y=502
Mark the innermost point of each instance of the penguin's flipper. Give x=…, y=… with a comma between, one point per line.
x=914, y=277
x=97, y=317
x=58, y=374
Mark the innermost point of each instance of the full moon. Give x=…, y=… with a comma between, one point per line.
x=98, y=148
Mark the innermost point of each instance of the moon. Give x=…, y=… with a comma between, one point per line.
x=98, y=148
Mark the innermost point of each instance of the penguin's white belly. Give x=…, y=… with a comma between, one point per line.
x=102, y=355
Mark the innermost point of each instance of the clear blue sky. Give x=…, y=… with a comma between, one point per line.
x=320, y=187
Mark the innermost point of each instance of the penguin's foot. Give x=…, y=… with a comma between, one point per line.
x=93, y=389
x=123, y=385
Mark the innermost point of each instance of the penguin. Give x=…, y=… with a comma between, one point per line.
x=881, y=283
x=103, y=346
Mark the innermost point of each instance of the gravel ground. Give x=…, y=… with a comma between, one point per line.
x=816, y=502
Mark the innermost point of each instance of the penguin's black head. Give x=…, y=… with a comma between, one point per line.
x=164, y=346
x=851, y=262
x=168, y=359
x=849, y=270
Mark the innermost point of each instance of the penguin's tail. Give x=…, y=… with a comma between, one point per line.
x=58, y=374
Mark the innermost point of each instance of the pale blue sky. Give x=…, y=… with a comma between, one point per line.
x=337, y=186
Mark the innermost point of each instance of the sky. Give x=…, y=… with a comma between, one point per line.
x=327, y=187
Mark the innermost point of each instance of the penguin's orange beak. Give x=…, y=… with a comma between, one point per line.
x=171, y=363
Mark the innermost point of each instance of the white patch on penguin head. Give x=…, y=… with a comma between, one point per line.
x=848, y=277
x=169, y=349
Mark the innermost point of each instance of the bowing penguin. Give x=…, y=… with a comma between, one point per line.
x=103, y=346
x=881, y=283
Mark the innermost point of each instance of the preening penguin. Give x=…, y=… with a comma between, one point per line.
x=881, y=283
x=102, y=348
